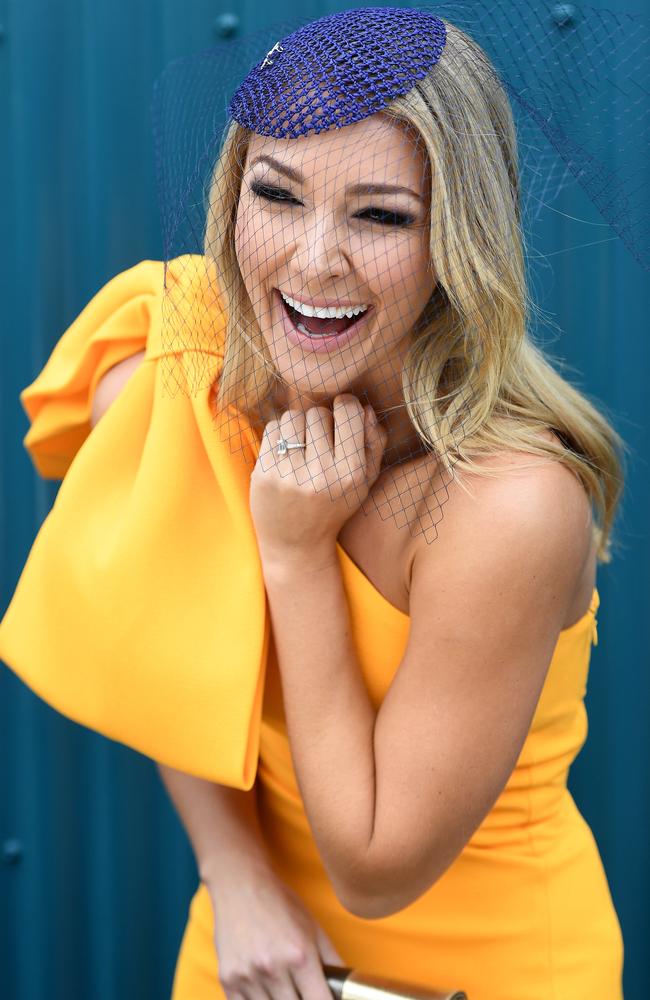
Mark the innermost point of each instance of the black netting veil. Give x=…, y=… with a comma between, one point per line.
x=345, y=206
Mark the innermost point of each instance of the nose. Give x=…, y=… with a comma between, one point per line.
x=320, y=253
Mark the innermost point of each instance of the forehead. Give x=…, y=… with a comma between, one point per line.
x=377, y=148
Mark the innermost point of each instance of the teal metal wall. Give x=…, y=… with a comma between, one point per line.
x=96, y=873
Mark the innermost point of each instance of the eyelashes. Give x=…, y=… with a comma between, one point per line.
x=379, y=215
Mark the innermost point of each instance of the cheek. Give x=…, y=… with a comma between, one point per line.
x=401, y=275
x=377, y=262
x=259, y=244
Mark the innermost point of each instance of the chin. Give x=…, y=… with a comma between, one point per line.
x=321, y=391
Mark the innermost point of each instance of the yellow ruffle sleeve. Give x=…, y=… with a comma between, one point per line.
x=141, y=609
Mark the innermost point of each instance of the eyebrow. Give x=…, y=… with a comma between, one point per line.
x=353, y=189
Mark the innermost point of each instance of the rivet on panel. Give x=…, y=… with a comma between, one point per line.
x=563, y=14
x=12, y=851
x=226, y=25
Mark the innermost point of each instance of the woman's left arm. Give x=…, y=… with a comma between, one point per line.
x=393, y=796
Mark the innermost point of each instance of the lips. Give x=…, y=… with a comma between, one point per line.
x=312, y=340
x=315, y=325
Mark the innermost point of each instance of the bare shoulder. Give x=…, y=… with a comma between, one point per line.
x=111, y=384
x=523, y=534
x=526, y=489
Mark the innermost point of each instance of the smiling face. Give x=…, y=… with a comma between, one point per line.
x=329, y=225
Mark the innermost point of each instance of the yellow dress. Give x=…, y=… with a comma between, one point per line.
x=141, y=613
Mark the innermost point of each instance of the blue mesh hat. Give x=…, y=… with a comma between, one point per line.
x=349, y=205
x=338, y=70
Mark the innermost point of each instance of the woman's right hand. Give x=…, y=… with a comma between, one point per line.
x=268, y=944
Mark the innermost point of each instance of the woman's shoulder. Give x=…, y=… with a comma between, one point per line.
x=176, y=303
x=193, y=315
x=518, y=508
x=517, y=488
x=491, y=477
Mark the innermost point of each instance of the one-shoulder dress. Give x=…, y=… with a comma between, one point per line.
x=141, y=613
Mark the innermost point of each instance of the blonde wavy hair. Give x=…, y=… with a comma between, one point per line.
x=480, y=306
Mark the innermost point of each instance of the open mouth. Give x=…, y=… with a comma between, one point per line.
x=317, y=327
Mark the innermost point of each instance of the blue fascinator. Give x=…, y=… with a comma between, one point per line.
x=338, y=70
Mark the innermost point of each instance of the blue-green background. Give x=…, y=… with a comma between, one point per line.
x=95, y=871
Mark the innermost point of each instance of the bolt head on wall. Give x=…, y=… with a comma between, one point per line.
x=226, y=25
x=563, y=14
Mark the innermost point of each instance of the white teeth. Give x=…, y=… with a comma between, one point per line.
x=314, y=336
x=331, y=313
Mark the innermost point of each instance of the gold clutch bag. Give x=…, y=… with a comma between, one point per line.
x=346, y=984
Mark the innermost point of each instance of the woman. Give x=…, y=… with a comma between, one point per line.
x=416, y=696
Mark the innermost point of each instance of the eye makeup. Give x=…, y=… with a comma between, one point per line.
x=381, y=216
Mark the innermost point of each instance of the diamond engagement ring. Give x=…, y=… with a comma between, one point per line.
x=283, y=446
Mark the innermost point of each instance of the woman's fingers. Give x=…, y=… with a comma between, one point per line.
x=328, y=953
x=319, y=436
x=281, y=987
x=276, y=985
x=349, y=433
x=251, y=992
x=376, y=439
x=309, y=979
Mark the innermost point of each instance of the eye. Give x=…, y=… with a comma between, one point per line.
x=272, y=193
x=386, y=218
x=380, y=215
